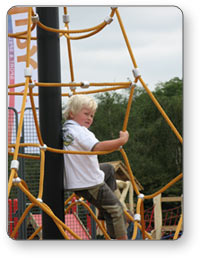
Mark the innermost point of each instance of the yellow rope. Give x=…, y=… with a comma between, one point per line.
x=35, y=233
x=23, y=33
x=35, y=117
x=21, y=220
x=136, y=225
x=126, y=39
x=16, y=85
x=73, y=31
x=135, y=230
x=91, y=213
x=146, y=233
x=69, y=51
x=46, y=209
x=13, y=172
x=161, y=111
x=129, y=171
x=79, y=152
x=98, y=91
x=68, y=31
x=26, y=144
x=53, y=84
x=77, y=92
x=172, y=182
x=42, y=164
x=25, y=155
x=89, y=34
x=21, y=94
x=128, y=109
x=143, y=83
x=178, y=229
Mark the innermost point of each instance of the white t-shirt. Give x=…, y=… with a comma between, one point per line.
x=80, y=171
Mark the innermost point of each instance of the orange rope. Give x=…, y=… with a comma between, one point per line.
x=47, y=210
x=53, y=84
x=89, y=34
x=42, y=164
x=35, y=117
x=178, y=229
x=91, y=213
x=21, y=94
x=79, y=152
x=128, y=109
x=69, y=50
x=77, y=92
x=126, y=39
x=73, y=31
x=13, y=172
x=162, y=111
x=35, y=233
x=25, y=155
x=13, y=35
x=129, y=171
x=16, y=85
x=21, y=220
x=172, y=182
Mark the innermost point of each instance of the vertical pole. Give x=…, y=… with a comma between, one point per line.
x=93, y=223
x=21, y=196
x=157, y=216
x=142, y=220
x=50, y=118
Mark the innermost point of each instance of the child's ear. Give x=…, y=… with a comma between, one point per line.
x=71, y=115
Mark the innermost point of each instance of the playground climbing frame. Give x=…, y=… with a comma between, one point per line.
x=15, y=180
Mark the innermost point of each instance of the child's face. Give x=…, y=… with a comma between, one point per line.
x=84, y=117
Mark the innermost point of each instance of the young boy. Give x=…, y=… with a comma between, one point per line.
x=82, y=173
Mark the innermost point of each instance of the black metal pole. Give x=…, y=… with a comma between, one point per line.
x=50, y=118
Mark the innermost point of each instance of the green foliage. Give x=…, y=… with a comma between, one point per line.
x=154, y=152
x=108, y=120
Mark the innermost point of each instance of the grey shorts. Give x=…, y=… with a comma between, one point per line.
x=105, y=200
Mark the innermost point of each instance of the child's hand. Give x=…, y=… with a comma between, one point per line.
x=124, y=136
x=112, y=144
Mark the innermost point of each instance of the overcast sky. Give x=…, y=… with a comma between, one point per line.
x=155, y=35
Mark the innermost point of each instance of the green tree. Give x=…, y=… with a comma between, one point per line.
x=154, y=152
x=109, y=120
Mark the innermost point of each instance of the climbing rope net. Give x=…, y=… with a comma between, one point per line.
x=15, y=180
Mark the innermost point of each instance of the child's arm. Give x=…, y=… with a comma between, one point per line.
x=112, y=144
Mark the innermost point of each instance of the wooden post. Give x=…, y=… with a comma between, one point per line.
x=131, y=200
x=142, y=219
x=157, y=216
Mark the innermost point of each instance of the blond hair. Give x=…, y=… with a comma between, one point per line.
x=76, y=103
